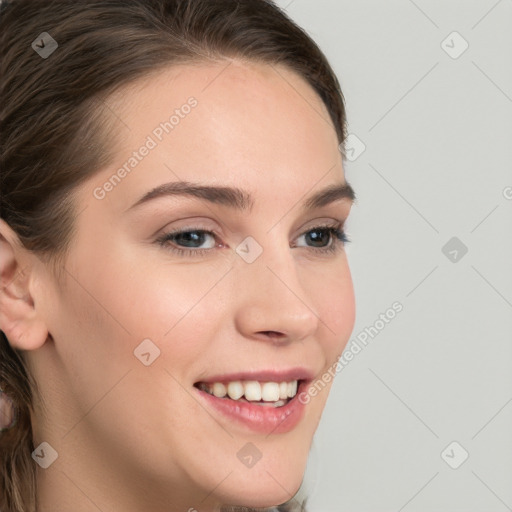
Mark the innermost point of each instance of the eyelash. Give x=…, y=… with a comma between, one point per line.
x=338, y=240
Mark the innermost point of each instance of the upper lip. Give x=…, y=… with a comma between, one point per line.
x=266, y=375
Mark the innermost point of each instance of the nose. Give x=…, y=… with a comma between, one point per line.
x=271, y=304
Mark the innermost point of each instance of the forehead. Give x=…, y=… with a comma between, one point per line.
x=250, y=124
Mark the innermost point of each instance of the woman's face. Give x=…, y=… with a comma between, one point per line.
x=255, y=288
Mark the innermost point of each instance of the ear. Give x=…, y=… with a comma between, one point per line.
x=19, y=319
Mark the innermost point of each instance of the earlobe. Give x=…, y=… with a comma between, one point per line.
x=19, y=319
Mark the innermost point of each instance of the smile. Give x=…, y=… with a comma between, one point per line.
x=265, y=402
x=274, y=394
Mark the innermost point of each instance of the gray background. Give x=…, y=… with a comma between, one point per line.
x=437, y=162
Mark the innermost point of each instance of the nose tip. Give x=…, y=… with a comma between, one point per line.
x=272, y=308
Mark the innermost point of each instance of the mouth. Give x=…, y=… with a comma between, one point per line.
x=265, y=394
x=266, y=402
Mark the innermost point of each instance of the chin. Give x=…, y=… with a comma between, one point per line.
x=264, y=488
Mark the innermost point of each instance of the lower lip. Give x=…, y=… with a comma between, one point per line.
x=259, y=418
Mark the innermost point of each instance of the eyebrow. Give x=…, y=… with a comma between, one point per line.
x=239, y=199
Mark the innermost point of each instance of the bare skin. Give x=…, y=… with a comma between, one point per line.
x=135, y=438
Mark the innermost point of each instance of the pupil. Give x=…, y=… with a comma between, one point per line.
x=190, y=237
x=317, y=239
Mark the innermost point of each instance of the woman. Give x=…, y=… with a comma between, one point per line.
x=174, y=286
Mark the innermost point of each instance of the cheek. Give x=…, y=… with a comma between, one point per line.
x=146, y=292
x=332, y=294
x=176, y=306
x=171, y=298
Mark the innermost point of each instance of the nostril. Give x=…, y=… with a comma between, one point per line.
x=273, y=334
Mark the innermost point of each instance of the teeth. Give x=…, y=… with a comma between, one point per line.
x=235, y=390
x=253, y=391
x=219, y=390
x=283, y=390
x=270, y=392
x=292, y=388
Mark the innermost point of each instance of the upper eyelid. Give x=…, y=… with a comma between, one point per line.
x=201, y=225
x=331, y=223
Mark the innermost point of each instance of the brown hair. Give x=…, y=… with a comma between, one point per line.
x=54, y=134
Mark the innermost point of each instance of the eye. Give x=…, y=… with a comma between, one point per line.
x=192, y=239
x=198, y=241
x=329, y=238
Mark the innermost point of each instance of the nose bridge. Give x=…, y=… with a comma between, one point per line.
x=270, y=296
